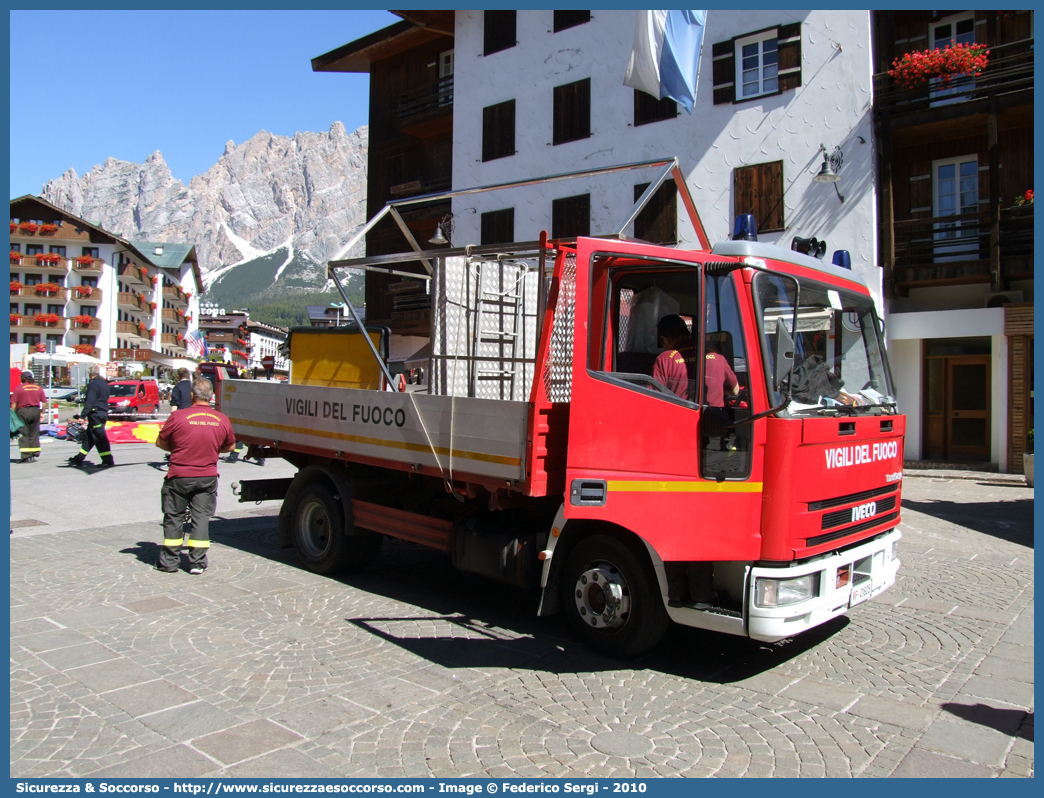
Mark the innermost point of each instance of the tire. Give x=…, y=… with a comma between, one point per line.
x=319, y=535
x=612, y=599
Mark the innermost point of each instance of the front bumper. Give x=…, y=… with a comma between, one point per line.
x=872, y=570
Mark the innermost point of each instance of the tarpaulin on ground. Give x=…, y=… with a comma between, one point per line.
x=118, y=431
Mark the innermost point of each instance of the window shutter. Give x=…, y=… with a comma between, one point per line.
x=758, y=189
x=498, y=130
x=498, y=31
x=571, y=216
x=498, y=227
x=724, y=59
x=571, y=113
x=789, y=43
x=658, y=220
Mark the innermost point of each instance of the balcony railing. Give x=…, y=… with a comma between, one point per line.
x=436, y=97
x=45, y=262
x=221, y=338
x=956, y=249
x=29, y=320
x=92, y=266
x=173, y=293
x=128, y=329
x=1010, y=70
x=86, y=293
x=37, y=292
x=93, y=324
x=132, y=273
x=128, y=301
x=171, y=316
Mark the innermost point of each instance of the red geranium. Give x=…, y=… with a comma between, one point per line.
x=41, y=347
x=29, y=228
x=47, y=229
x=84, y=349
x=15, y=317
x=83, y=320
x=16, y=257
x=1025, y=199
x=16, y=286
x=47, y=288
x=913, y=69
x=45, y=318
x=84, y=291
x=85, y=260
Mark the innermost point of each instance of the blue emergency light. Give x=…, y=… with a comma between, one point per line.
x=843, y=259
x=746, y=228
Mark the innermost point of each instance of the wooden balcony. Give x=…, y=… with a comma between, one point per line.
x=955, y=250
x=220, y=338
x=94, y=266
x=171, y=340
x=34, y=292
x=90, y=296
x=128, y=301
x=93, y=326
x=1006, y=82
x=132, y=274
x=170, y=316
x=427, y=111
x=29, y=322
x=173, y=293
x=46, y=262
x=129, y=330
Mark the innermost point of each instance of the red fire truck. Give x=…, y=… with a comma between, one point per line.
x=543, y=451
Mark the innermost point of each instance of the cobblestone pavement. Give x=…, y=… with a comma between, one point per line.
x=259, y=668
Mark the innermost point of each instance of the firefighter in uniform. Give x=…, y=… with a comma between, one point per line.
x=194, y=436
x=25, y=401
x=96, y=413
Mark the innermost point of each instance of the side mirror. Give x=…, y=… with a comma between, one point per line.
x=784, y=357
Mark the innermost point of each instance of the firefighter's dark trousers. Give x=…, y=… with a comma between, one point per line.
x=199, y=495
x=96, y=437
x=29, y=441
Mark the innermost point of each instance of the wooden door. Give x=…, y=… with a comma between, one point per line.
x=968, y=407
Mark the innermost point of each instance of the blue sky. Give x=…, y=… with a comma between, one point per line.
x=89, y=85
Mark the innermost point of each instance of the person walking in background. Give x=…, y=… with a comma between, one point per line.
x=194, y=437
x=180, y=398
x=96, y=413
x=25, y=401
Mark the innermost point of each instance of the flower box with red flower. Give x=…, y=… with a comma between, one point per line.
x=16, y=257
x=48, y=229
x=914, y=69
x=152, y=332
x=1025, y=200
x=152, y=306
x=29, y=228
x=84, y=291
x=179, y=337
x=16, y=286
x=47, y=289
x=83, y=320
x=14, y=226
x=240, y=354
x=85, y=260
x=46, y=319
x=48, y=259
x=15, y=318
x=41, y=347
x=84, y=349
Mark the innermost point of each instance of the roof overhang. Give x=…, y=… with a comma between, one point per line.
x=419, y=27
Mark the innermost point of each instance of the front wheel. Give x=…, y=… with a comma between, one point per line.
x=612, y=599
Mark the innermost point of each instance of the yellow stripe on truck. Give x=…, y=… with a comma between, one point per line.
x=365, y=441
x=655, y=486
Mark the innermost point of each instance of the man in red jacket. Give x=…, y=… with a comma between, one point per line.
x=194, y=436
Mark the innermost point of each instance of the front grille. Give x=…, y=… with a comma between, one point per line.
x=852, y=530
x=840, y=517
x=852, y=498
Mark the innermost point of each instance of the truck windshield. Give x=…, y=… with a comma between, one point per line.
x=116, y=389
x=839, y=360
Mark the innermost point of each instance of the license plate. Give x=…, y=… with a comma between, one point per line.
x=861, y=593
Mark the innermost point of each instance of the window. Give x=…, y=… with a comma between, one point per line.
x=16, y=247
x=55, y=309
x=958, y=29
x=498, y=131
x=92, y=251
x=33, y=249
x=572, y=112
x=758, y=189
x=955, y=189
x=57, y=250
x=54, y=339
x=32, y=307
x=498, y=227
x=638, y=300
x=658, y=220
x=498, y=31
x=648, y=109
x=571, y=216
x=446, y=64
x=33, y=279
x=87, y=339
x=757, y=64
x=90, y=282
x=30, y=338
x=570, y=19
x=89, y=310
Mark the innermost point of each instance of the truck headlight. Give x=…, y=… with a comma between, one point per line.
x=782, y=592
x=895, y=549
x=123, y=403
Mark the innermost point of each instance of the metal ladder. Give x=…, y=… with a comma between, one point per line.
x=500, y=322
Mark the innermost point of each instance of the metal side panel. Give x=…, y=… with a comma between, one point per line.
x=478, y=436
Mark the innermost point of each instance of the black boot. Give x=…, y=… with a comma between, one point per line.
x=76, y=461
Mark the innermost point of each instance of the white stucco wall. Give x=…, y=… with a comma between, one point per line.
x=831, y=107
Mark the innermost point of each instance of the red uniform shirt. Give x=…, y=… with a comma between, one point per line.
x=196, y=435
x=718, y=377
x=27, y=395
x=675, y=368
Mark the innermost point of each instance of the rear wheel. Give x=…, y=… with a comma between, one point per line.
x=611, y=597
x=319, y=534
